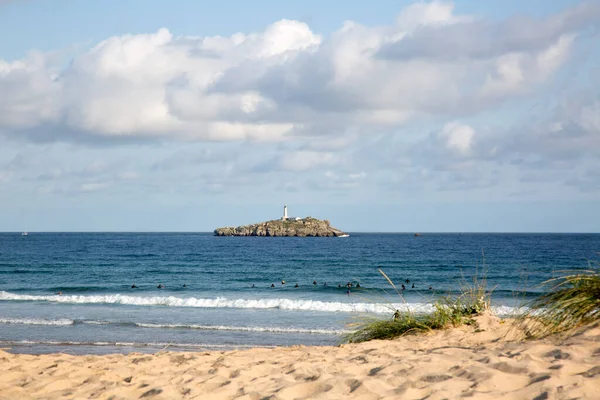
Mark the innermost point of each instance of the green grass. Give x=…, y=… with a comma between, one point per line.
x=473, y=300
x=573, y=300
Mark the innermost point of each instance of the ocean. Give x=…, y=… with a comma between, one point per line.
x=73, y=292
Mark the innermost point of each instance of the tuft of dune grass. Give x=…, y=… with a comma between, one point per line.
x=573, y=300
x=474, y=299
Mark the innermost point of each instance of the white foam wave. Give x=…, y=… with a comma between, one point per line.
x=36, y=321
x=162, y=345
x=245, y=328
x=222, y=302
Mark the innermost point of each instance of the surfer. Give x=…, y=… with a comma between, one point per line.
x=133, y=286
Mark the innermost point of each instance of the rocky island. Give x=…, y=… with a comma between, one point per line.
x=286, y=226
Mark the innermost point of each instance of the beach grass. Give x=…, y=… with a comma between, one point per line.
x=572, y=301
x=451, y=310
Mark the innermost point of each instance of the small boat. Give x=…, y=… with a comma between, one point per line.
x=344, y=235
x=24, y=233
x=417, y=234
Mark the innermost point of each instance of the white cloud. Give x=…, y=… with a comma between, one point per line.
x=428, y=13
x=287, y=81
x=458, y=137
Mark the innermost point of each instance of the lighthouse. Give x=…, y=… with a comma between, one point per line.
x=285, y=216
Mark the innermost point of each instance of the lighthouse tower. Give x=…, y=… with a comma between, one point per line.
x=285, y=216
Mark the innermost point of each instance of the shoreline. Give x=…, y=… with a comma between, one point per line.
x=481, y=361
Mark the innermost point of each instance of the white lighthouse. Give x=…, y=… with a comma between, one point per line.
x=285, y=216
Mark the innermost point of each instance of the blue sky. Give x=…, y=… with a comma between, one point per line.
x=392, y=116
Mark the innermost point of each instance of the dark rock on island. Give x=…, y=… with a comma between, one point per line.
x=305, y=227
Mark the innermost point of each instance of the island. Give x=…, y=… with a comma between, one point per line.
x=285, y=226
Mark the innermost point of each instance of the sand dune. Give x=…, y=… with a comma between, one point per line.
x=478, y=361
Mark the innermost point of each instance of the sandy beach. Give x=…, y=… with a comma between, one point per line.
x=479, y=361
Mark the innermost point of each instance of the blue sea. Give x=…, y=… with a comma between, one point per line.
x=73, y=292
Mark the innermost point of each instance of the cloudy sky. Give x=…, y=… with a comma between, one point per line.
x=382, y=116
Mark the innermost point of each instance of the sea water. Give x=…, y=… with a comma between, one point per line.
x=72, y=291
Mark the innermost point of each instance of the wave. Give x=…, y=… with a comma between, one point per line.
x=37, y=321
x=161, y=345
x=246, y=328
x=66, y=321
x=222, y=302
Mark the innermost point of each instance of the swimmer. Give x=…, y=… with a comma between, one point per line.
x=430, y=288
x=339, y=286
x=283, y=282
x=348, y=292
x=296, y=285
x=272, y=285
x=133, y=286
x=403, y=287
x=408, y=281
x=314, y=282
x=357, y=285
x=160, y=286
x=59, y=293
x=348, y=285
x=253, y=285
x=184, y=285
x=325, y=284
x=413, y=286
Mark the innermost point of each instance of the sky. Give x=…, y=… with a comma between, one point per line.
x=387, y=116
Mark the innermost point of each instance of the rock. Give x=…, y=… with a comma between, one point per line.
x=304, y=227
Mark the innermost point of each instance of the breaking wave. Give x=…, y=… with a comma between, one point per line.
x=223, y=302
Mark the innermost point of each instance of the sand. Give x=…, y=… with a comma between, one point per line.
x=477, y=361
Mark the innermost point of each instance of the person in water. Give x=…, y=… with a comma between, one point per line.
x=357, y=285
x=160, y=286
x=184, y=285
x=253, y=285
x=413, y=286
x=348, y=292
x=296, y=285
x=133, y=286
x=272, y=285
x=403, y=287
x=408, y=281
x=314, y=282
x=396, y=315
x=283, y=282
